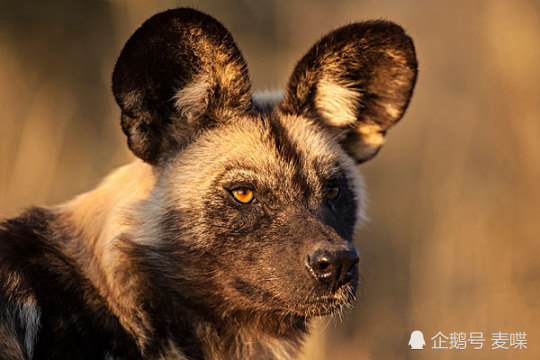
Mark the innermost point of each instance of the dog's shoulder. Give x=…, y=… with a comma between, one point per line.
x=47, y=307
x=32, y=264
x=22, y=247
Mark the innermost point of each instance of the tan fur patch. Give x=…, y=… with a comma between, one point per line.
x=392, y=111
x=12, y=282
x=10, y=348
x=192, y=100
x=98, y=218
x=371, y=134
x=369, y=141
x=336, y=102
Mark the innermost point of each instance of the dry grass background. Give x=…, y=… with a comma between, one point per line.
x=454, y=241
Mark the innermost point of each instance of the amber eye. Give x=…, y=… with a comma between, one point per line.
x=243, y=195
x=332, y=193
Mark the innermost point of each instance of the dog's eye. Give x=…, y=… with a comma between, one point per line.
x=243, y=195
x=332, y=193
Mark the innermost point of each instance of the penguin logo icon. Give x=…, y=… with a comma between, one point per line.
x=417, y=341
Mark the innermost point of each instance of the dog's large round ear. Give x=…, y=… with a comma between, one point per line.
x=179, y=72
x=357, y=81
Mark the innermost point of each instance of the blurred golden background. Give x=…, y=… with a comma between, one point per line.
x=454, y=238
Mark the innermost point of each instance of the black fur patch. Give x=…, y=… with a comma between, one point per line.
x=74, y=322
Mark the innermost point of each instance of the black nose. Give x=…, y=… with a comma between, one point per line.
x=333, y=264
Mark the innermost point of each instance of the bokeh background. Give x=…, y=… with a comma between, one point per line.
x=454, y=238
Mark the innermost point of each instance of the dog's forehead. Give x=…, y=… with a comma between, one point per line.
x=313, y=144
x=292, y=143
x=276, y=147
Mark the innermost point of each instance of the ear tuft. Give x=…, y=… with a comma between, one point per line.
x=336, y=102
x=179, y=73
x=192, y=101
x=357, y=81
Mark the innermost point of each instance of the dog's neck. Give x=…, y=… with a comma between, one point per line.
x=252, y=343
x=232, y=338
x=94, y=222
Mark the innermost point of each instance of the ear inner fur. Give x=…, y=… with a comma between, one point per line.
x=357, y=81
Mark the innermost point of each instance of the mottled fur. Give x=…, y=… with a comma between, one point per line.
x=160, y=262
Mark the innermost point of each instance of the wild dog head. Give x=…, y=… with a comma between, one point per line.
x=255, y=207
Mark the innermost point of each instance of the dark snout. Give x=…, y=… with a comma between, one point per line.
x=333, y=265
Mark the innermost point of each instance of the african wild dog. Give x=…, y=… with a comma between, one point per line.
x=235, y=229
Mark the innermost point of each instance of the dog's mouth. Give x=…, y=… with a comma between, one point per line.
x=322, y=305
x=328, y=304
